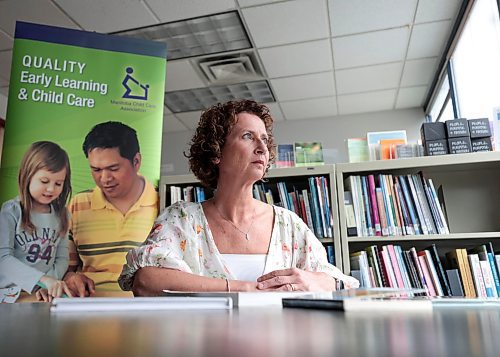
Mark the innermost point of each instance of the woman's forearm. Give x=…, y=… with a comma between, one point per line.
x=151, y=281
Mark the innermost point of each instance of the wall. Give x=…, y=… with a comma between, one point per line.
x=331, y=132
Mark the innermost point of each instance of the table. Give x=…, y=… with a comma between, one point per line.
x=30, y=329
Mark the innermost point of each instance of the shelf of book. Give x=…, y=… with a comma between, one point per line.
x=456, y=193
x=294, y=183
x=426, y=238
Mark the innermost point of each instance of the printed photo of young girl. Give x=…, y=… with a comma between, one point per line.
x=34, y=225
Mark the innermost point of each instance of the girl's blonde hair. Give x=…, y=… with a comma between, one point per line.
x=49, y=156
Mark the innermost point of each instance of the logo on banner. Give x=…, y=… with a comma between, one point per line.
x=136, y=94
x=134, y=89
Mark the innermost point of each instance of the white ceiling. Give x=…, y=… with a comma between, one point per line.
x=322, y=58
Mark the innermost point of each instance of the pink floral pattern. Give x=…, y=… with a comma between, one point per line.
x=182, y=240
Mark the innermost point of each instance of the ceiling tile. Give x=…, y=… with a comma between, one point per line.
x=109, y=15
x=5, y=64
x=246, y=3
x=366, y=102
x=303, y=58
x=166, y=110
x=38, y=11
x=418, y=72
x=302, y=87
x=309, y=108
x=363, y=79
x=4, y=91
x=432, y=10
x=287, y=22
x=6, y=41
x=173, y=10
x=172, y=124
x=275, y=111
x=181, y=75
x=189, y=119
x=355, y=16
x=370, y=48
x=3, y=82
x=411, y=97
x=421, y=47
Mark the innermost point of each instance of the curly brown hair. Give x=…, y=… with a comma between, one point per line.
x=213, y=128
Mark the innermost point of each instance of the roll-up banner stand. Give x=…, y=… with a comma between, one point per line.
x=65, y=81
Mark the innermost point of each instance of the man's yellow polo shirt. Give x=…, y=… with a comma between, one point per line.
x=100, y=235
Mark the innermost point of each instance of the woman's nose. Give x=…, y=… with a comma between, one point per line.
x=261, y=146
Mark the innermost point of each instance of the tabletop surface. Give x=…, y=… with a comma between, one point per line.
x=31, y=329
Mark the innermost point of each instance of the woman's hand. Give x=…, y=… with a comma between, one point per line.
x=55, y=288
x=295, y=279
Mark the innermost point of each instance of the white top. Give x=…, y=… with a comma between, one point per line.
x=247, y=267
x=181, y=239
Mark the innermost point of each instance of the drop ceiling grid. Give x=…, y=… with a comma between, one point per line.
x=309, y=50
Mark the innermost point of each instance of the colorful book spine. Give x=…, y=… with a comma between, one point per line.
x=374, y=205
x=381, y=209
x=395, y=266
x=367, y=206
x=410, y=205
x=422, y=259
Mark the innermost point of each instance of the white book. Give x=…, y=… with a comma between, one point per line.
x=243, y=299
x=140, y=304
x=477, y=275
x=440, y=210
x=305, y=194
x=434, y=275
x=489, y=284
x=418, y=205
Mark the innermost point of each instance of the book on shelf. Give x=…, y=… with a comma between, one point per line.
x=396, y=205
x=357, y=149
x=486, y=270
x=349, y=212
x=456, y=288
x=434, y=255
x=404, y=151
x=388, y=148
x=285, y=155
x=477, y=275
x=374, y=138
x=392, y=266
x=308, y=154
x=310, y=200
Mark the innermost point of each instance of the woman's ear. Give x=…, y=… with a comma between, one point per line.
x=216, y=161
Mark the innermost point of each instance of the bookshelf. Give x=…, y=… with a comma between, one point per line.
x=294, y=177
x=471, y=194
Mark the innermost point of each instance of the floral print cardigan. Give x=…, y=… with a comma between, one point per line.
x=181, y=239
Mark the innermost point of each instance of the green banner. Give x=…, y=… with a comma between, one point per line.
x=63, y=82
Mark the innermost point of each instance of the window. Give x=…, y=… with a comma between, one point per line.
x=469, y=88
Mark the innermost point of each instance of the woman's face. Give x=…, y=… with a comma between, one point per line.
x=245, y=151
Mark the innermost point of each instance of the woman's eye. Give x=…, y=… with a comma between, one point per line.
x=44, y=181
x=265, y=140
x=58, y=184
x=247, y=136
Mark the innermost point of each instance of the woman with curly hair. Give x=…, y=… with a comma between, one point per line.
x=231, y=242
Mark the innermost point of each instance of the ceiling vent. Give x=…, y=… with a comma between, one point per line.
x=234, y=68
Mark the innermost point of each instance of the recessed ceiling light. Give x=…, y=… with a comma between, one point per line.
x=197, y=36
x=202, y=98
